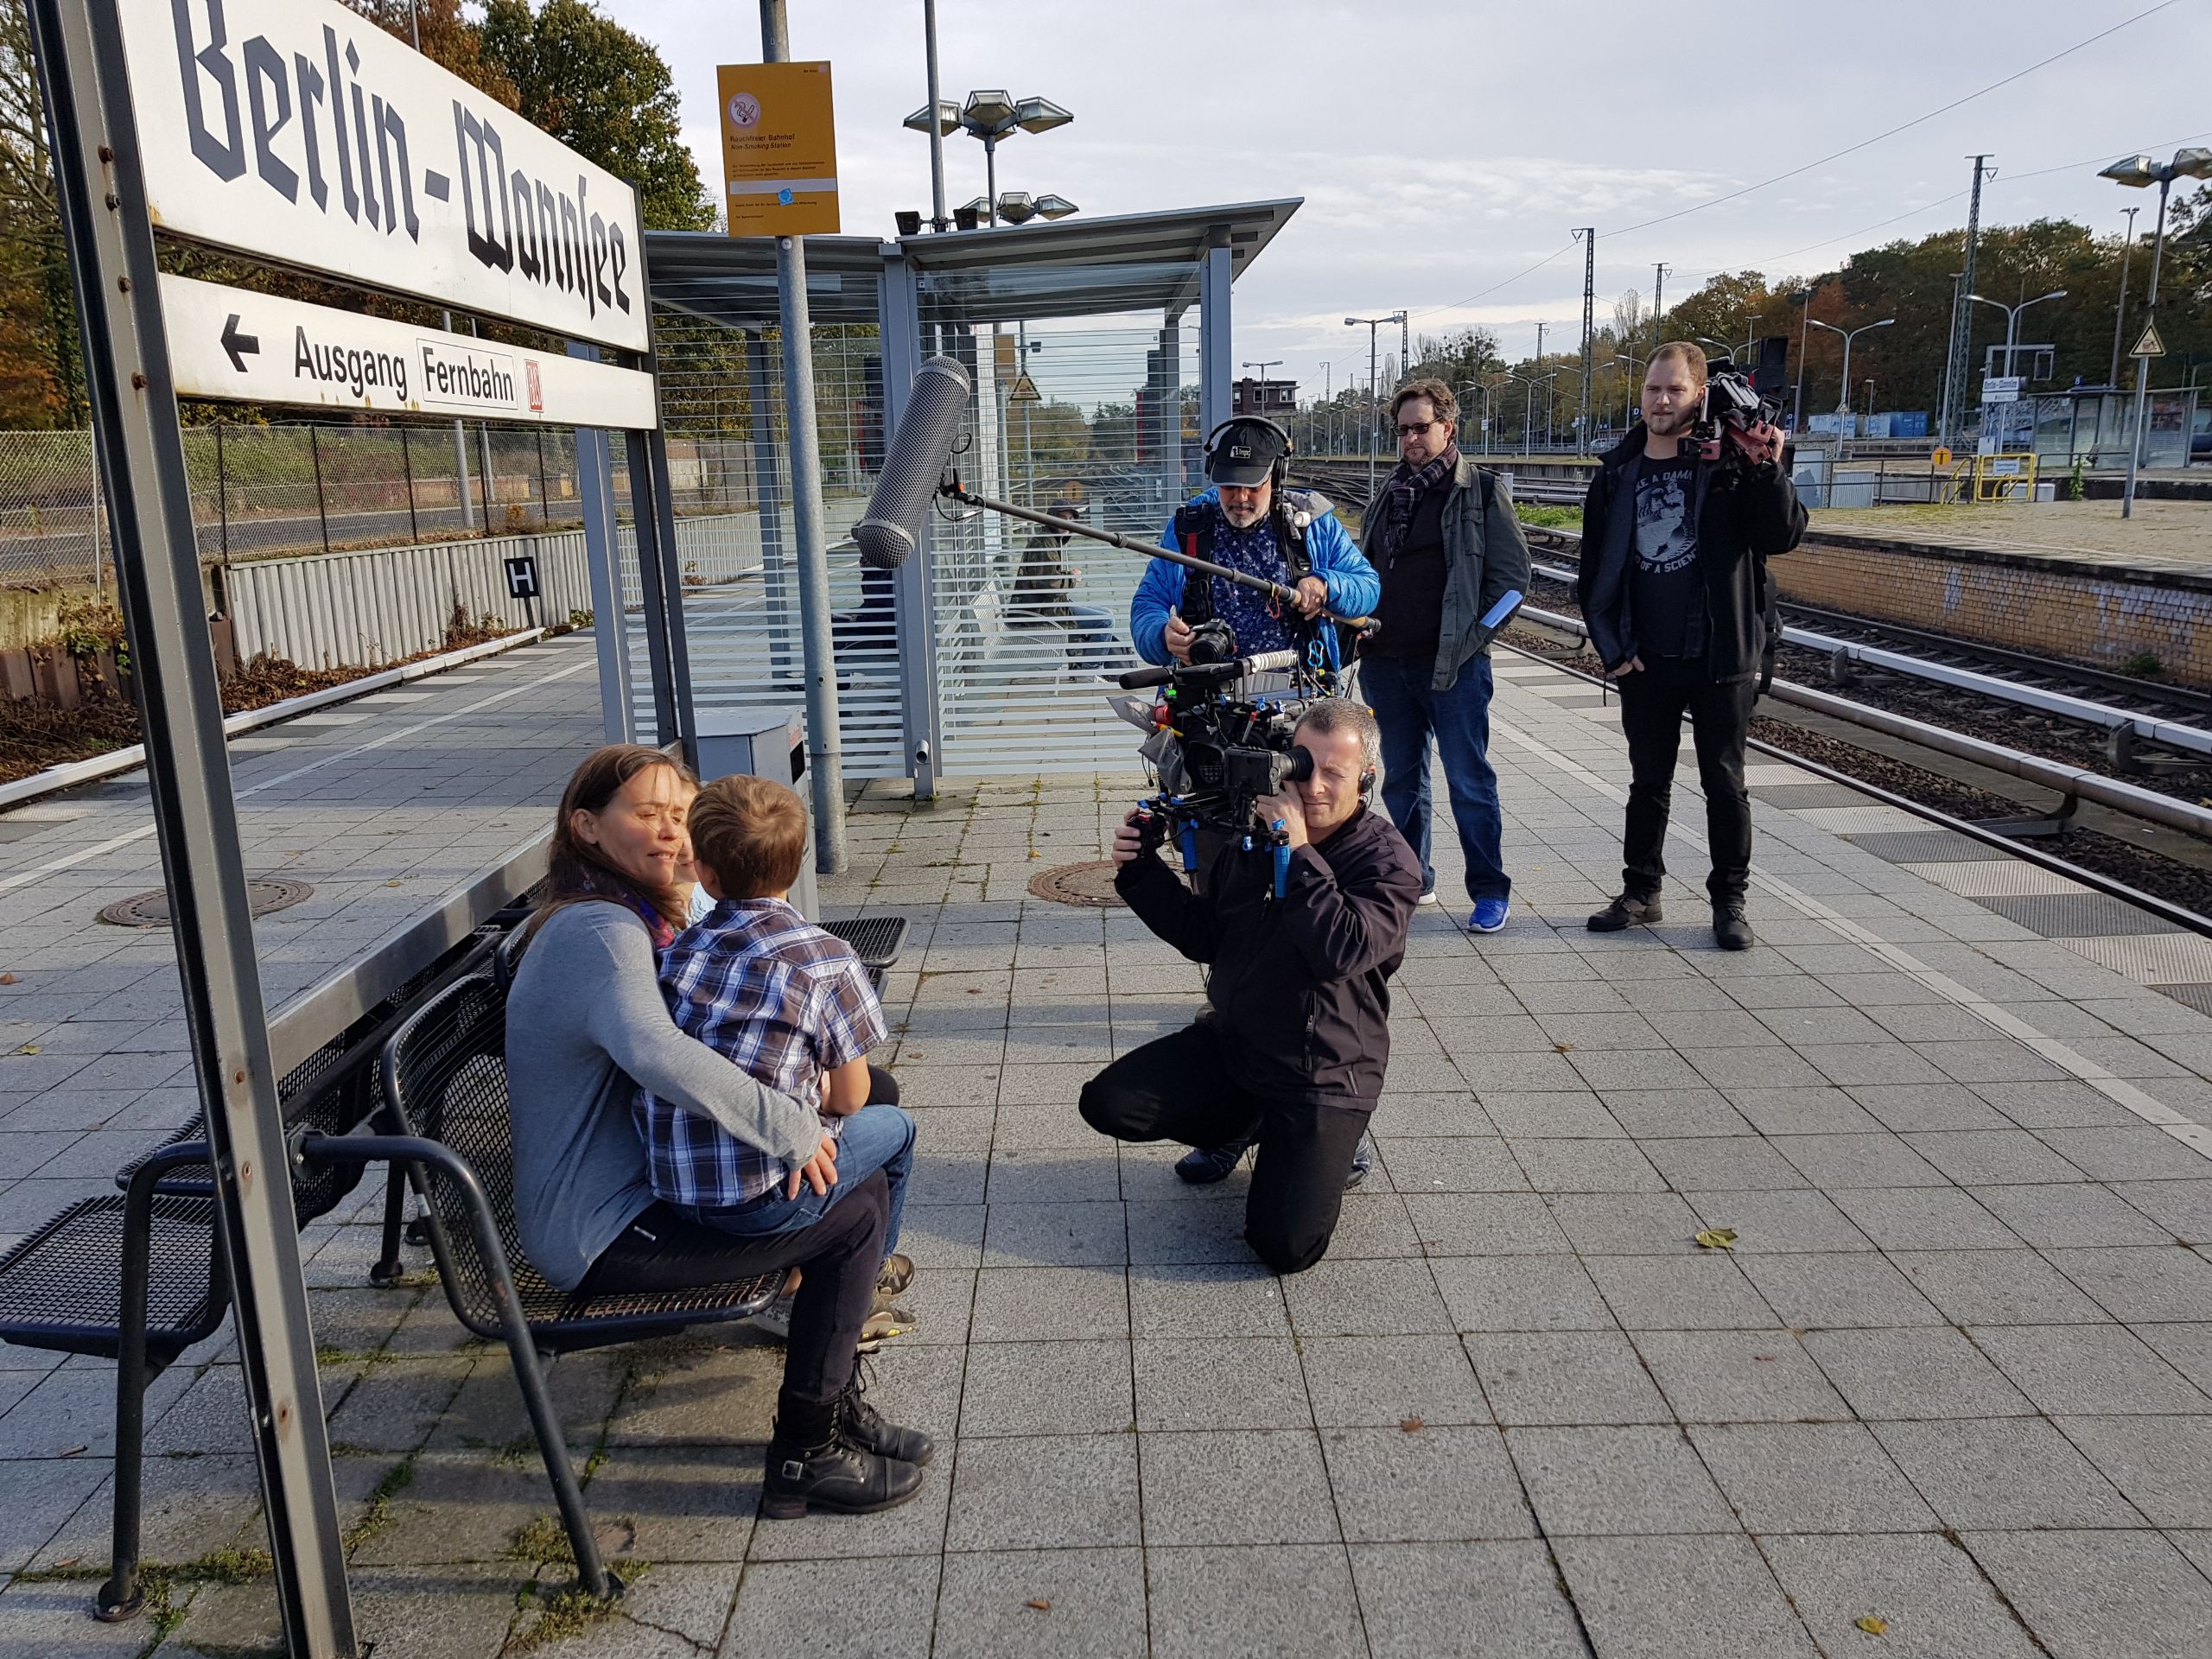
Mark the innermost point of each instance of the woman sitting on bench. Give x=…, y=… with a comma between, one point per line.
x=587, y=1027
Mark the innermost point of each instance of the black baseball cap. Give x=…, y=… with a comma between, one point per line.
x=1244, y=453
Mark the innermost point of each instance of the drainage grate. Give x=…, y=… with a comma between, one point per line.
x=1088, y=885
x=269, y=893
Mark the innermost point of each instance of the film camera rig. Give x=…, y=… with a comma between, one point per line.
x=1731, y=406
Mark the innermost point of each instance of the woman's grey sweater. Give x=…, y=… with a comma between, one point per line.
x=586, y=1026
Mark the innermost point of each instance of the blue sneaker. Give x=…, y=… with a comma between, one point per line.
x=1204, y=1166
x=1490, y=914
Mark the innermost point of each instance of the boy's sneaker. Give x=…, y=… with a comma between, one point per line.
x=1630, y=910
x=1362, y=1161
x=1490, y=914
x=1205, y=1165
x=1428, y=896
x=839, y=1476
x=775, y=1320
x=896, y=1274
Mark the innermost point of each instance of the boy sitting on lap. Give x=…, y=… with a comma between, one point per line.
x=759, y=984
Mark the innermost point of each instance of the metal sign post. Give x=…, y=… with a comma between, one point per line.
x=108, y=235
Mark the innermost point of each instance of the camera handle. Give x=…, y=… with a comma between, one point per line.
x=952, y=490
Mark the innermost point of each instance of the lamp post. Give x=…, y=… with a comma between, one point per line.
x=1803, y=296
x=988, y=116
x=1628, y=408
x=1372, y=324
x=1528, y=406
x=2012, y=319
x=2119, y=311
x=1473, y=385
x=1843, y=393
x=1260, y=392
x=2139, y=172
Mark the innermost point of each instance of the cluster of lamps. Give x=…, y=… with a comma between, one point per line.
x=988, y=116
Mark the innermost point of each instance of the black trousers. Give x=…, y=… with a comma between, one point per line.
x=1653, y=700
x=1181, y=1088
x=840, y=1254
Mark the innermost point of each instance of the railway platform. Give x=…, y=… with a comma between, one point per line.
x=1949, y=1380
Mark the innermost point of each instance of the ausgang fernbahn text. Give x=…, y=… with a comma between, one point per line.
x=314, y=120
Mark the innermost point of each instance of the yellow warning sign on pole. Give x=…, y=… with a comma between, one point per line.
x=2149, y=344
x=779, y=149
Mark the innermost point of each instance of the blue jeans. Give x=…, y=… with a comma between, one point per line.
x=1410, y=712
x=875, y=1137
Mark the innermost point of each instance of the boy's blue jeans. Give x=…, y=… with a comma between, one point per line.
x=1408, y=710
x=878, y=1136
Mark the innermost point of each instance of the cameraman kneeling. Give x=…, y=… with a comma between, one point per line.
x=1294, y=1045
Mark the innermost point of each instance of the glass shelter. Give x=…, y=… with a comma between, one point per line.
x=1100, y=354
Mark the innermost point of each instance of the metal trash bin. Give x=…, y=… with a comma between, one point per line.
x=768, y=740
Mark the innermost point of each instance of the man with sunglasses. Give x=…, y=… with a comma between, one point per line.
x=1448, y=546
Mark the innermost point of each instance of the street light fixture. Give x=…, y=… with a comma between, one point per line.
x=1372, y=324
x=2140, y=173
x=988, y=116
x=1528, y=406
x=2012, y=319
x=1843, y=393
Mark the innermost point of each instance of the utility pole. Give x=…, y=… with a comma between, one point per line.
x=1589, y=235
x=1405, y=345
x=1658, y=300
x=1962, y=318
x=2120, y=316
x=824, y=743
x=1539, y=369
x=939, y=222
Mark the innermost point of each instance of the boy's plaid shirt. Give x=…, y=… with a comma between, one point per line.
x=757, y=982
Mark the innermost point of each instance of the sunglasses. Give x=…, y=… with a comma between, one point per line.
x=1408, y=431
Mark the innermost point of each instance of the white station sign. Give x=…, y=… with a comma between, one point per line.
x=225, y=342
x=297, y=131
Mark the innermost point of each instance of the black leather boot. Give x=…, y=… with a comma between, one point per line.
x=866, y=1428
x=1731, y=931
x=1630, y=910
x=836, y=1476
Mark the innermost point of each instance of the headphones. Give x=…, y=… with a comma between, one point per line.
x=1289, y=447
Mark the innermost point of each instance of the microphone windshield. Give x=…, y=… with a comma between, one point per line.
x=914, y=462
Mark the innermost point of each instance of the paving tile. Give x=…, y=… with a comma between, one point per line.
x=2161, y=1465
x=1789, y=1222
x=1094, y=1605
x=1648, y=1113
x=1845, y=1288
x=1809, y=1477
x=2141, y=1284
x=2074, y=1213
x=1707, y=1292
x=1924, y=1372
x=1413, y=1601
x=2100, y=1595
x=1365, y=1298
x=1187, y=1229
x=1484, y=1223
x=1731, y=1377
x=776, y=1597
x=1928, y=1106
x=1018, y=1304
x=1236, y=1299
x=1450, y=1164
x=1212, y=1383
x=1040, y=1388
x=1997, y=1287
x=2088, y=1368
x=1990, y=1157
x=1053, y=1492
x=1595, y=1165
x=2188, y=1348
x=1614, y=1480
x=1432, y=1484
x=1826, y=1110
x=1637, y=1223
x=1292, y=1602
x=1356, y=1381
x=1834, y=1162
x=1565, y=1377
x=1638, y=1595
x=2003, y=1471
x=2124, y=1152
x=1239, y=1487
x=1924, y=1587
x=1521, y=1292
x=2183, y=1208
x=1927, y=1218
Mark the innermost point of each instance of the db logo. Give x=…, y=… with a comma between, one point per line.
x=745, y=112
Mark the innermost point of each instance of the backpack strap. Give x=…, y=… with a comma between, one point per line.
x=1194, y=535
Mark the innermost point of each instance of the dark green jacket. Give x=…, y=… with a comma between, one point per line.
x=1485, y=558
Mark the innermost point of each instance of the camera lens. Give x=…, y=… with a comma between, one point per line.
x=1298, y=767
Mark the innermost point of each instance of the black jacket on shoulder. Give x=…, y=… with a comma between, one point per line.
x=1745, y=516
x=1300, y=987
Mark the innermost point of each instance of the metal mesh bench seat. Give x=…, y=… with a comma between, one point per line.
x=61, y=1288
x=876, y=940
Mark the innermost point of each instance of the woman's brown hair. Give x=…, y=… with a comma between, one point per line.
x=575, y=871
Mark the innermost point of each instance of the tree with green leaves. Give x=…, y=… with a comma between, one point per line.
x=606, y=93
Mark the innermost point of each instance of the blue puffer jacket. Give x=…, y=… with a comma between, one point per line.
x=1354, y=589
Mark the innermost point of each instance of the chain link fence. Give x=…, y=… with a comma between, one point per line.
x=263, y=492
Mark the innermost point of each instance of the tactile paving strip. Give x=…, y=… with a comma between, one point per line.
x=1796, y=797
x=1928, y=846
x=2079, y=915
x=1988, y=878
x=2152, y=958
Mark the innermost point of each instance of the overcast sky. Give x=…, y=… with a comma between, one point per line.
x=1441, y=151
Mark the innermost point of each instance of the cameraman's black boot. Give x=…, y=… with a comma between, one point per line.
x=831, y=1473
x=1205, y=1165
x=1630, y=910
x=1731, y=930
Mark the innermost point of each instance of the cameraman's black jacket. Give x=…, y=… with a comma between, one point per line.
x=1299, y=983
x=1745, y=514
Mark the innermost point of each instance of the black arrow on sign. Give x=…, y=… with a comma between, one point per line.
x=240, y=346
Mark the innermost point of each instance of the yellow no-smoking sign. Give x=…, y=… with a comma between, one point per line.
x=779, y=149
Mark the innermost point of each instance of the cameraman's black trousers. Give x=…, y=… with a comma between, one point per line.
x=1653, y=700
x=1181, y=1088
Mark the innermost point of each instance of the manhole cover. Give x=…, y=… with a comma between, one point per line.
x=1089, y=885
x=152, y=909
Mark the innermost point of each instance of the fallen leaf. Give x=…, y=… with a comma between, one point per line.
x=1034, y=852
x=1718, y=1238
x=7, y=979
x=1411, y=1425
x=1563, y=1048
x=1872, y=1625
x=28, y=1048
x=1040, y=1604
x=74, y=1450
x=391, y=884
x=69, y=1561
